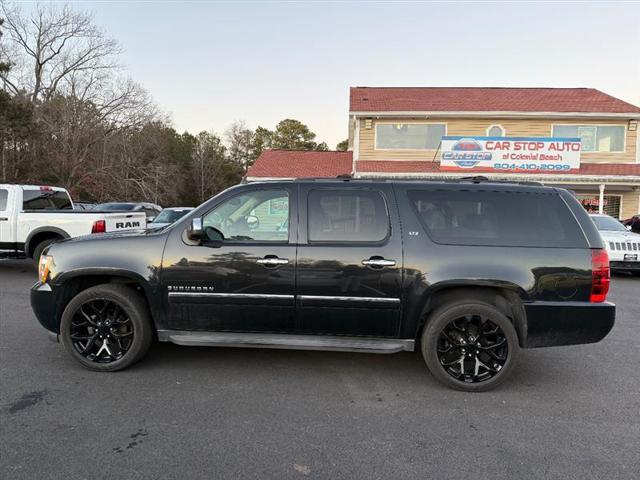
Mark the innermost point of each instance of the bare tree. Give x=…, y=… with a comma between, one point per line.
x=67, y=67
x=239, y=139
x=52, y=45
x=208, y=157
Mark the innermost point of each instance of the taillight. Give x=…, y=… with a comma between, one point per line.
x=99, y=226
x=600, y=275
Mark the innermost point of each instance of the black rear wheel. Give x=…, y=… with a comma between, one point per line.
x=37, y=251
x=106, y=327
x=470, y=346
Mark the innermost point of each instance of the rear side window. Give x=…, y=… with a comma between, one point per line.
x=45, y=200
x=3, y=199
x=347, y=216
x=498, y=218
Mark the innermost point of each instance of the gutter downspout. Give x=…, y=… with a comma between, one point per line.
x=356, y=145
x=601, y=199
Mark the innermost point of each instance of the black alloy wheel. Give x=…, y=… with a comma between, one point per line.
x=469, y=345
x=101, y=331
x=107, y=327
x=472, y=348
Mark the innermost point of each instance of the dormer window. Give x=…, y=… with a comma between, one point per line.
x=495, y=131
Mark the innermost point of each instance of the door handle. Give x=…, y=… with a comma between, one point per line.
x=272, y=261
x=378, y=262
x=3, y=219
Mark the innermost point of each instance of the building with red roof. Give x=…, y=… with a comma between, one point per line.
x=579, y=138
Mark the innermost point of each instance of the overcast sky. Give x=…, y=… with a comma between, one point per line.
x=209, y=63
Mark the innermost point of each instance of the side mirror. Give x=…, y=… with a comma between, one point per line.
x=195, y=231
x=213, y=237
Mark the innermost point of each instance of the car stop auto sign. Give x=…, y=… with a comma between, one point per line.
x=510, y=154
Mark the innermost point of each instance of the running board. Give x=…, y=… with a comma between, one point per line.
x=290, y=342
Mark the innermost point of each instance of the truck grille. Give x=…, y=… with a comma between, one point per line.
x=625, y=246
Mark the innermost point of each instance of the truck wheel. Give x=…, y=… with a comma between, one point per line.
x=106, y=327
x=470, y=346
x=37, y=252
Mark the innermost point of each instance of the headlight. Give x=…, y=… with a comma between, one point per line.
x=43, y=267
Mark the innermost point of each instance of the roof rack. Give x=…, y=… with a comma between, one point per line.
x=478, y=179
x=482, y=179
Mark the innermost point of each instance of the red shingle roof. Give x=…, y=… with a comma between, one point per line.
x=479, y=99
x=295, y=164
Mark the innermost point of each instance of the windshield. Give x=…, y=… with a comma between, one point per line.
x=608, y=224
x=115, y=206
x=170, y=216
x=45, y=200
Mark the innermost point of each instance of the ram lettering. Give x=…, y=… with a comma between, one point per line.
x=127, y=224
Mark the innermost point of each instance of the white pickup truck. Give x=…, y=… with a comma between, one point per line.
x=622, y=245
x=33, y=216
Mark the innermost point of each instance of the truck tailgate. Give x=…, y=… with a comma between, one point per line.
x=125, y=221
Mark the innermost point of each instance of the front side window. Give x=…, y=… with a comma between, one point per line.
x=3, y=199
x=45, y=199
x=170, y=216
x=594, y=138
x=259, y=216
x=409, y=136
x=347, y=216
x=496, y=218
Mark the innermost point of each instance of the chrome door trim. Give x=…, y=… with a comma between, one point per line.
x=350, y=299
x=229, y=295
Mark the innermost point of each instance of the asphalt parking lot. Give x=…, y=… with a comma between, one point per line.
x=569, y=412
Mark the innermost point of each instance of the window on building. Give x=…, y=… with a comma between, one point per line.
x=496, y=218
x=258, y=216
x=591, y=204
x=595, y=138
x=495, y=131
x=409, y=136
x=347, y=216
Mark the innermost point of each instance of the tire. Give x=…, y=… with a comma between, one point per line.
x=129, y=304
x=37, y=252
x=439, y=330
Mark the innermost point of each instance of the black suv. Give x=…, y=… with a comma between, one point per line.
x=450, y=268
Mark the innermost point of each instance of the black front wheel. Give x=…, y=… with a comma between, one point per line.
x=470, y=346
x=106, y=327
